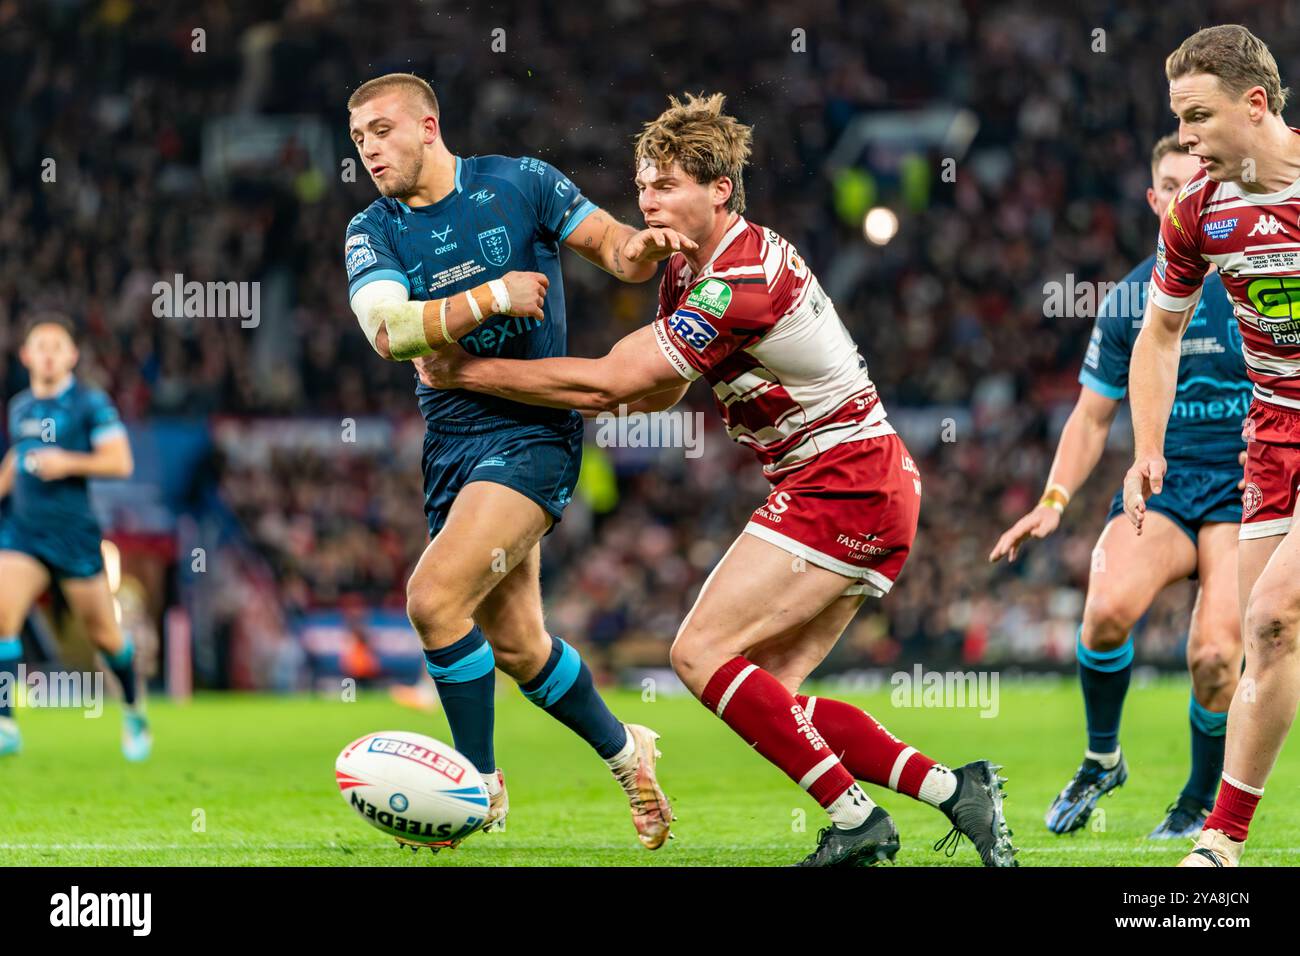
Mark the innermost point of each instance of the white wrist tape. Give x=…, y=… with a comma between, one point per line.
x=405, y=324
x=473, y=307
x=500, y=296
x=442, y=320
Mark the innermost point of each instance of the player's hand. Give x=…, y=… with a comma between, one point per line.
x=527, y=293
x=442, y=368
x=655, y=244
x=1241, y=460
x=1039, y=523
x=1145, y=478
x=48, y=464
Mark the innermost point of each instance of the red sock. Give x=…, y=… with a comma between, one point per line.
x=754, y=704
x=866, y=748
x=1233, y=809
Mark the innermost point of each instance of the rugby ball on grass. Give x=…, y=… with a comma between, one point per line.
x=412, y=787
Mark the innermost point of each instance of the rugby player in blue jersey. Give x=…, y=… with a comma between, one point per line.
x=1191, y=531
x=61, y=434
x=466, y=249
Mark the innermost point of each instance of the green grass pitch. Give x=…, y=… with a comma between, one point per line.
x=248, y=780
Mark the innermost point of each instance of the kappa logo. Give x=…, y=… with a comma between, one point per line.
x=1267, y=225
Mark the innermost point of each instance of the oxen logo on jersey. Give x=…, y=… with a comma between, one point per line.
x=1267, y=225
x=1220, y=228
x=692, y=328
x=495, y=244
x=1251, y=499
x=1276, y=298
x=359, y=254
x=712, y=296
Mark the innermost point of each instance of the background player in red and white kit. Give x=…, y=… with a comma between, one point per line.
x=743, y=311
x=1240, y=213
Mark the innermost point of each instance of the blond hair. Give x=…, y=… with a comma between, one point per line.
x=703, y=140
x=1236, y=56
x=1163, y=147
x=408, y=83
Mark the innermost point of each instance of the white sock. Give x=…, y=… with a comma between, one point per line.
x=1106, y=760
x=851, y=808
x=939, y=784
x=623, y=756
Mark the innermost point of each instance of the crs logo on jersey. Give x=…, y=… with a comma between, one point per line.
x=692, y=328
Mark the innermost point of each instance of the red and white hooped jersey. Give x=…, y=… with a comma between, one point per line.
x=786, y=375
x=1254, y=239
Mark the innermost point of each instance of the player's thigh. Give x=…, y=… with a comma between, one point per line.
x=91, y=600
x=756, y=592
x=22, y=580
x=1129, y=570
x=1272, y=617
x=490, y=529
x=1214, y=638
x=792, y=656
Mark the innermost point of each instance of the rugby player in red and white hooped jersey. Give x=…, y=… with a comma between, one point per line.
x=1240, y=213
x=744, y=312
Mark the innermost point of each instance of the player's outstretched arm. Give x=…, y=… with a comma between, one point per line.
x=623, y=251
x=633, y=369
x=1153, y=382
x=1082, y=441
x=110, y=458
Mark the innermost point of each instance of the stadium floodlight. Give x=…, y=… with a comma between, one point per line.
x=880, y=225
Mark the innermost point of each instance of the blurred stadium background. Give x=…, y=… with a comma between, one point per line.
x=263, y=545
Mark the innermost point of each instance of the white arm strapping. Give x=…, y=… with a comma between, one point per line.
x=372, y=294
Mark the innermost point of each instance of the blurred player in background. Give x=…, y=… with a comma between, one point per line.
x=741, y=308
x=61, y=433
x=1193, y=531
x=1239, y=213
x=465, y=249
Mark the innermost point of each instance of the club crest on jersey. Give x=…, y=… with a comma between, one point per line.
x=1220, y=228
x=495, y=244
x=692, y=328
x=711, y=296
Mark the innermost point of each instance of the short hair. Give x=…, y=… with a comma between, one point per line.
x=704, y=141
x=1236, y=56
x=388, y=83
x=1163, y=147
x=50, y=318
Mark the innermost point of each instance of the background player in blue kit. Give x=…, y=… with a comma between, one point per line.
x=467, y=249
x=1193, y=531
x=61, y=433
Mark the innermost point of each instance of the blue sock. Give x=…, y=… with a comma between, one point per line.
x=11, y=652
x=1104, y=677
x=564, y=689
x=1208, y=729
x=465, y=673
x=122, y=664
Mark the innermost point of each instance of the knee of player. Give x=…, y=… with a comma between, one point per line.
x=1212, y=657
x=430, y=607
x=1106, y=622
x=1272, y=622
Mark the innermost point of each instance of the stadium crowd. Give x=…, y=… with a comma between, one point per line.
x=107, y=186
